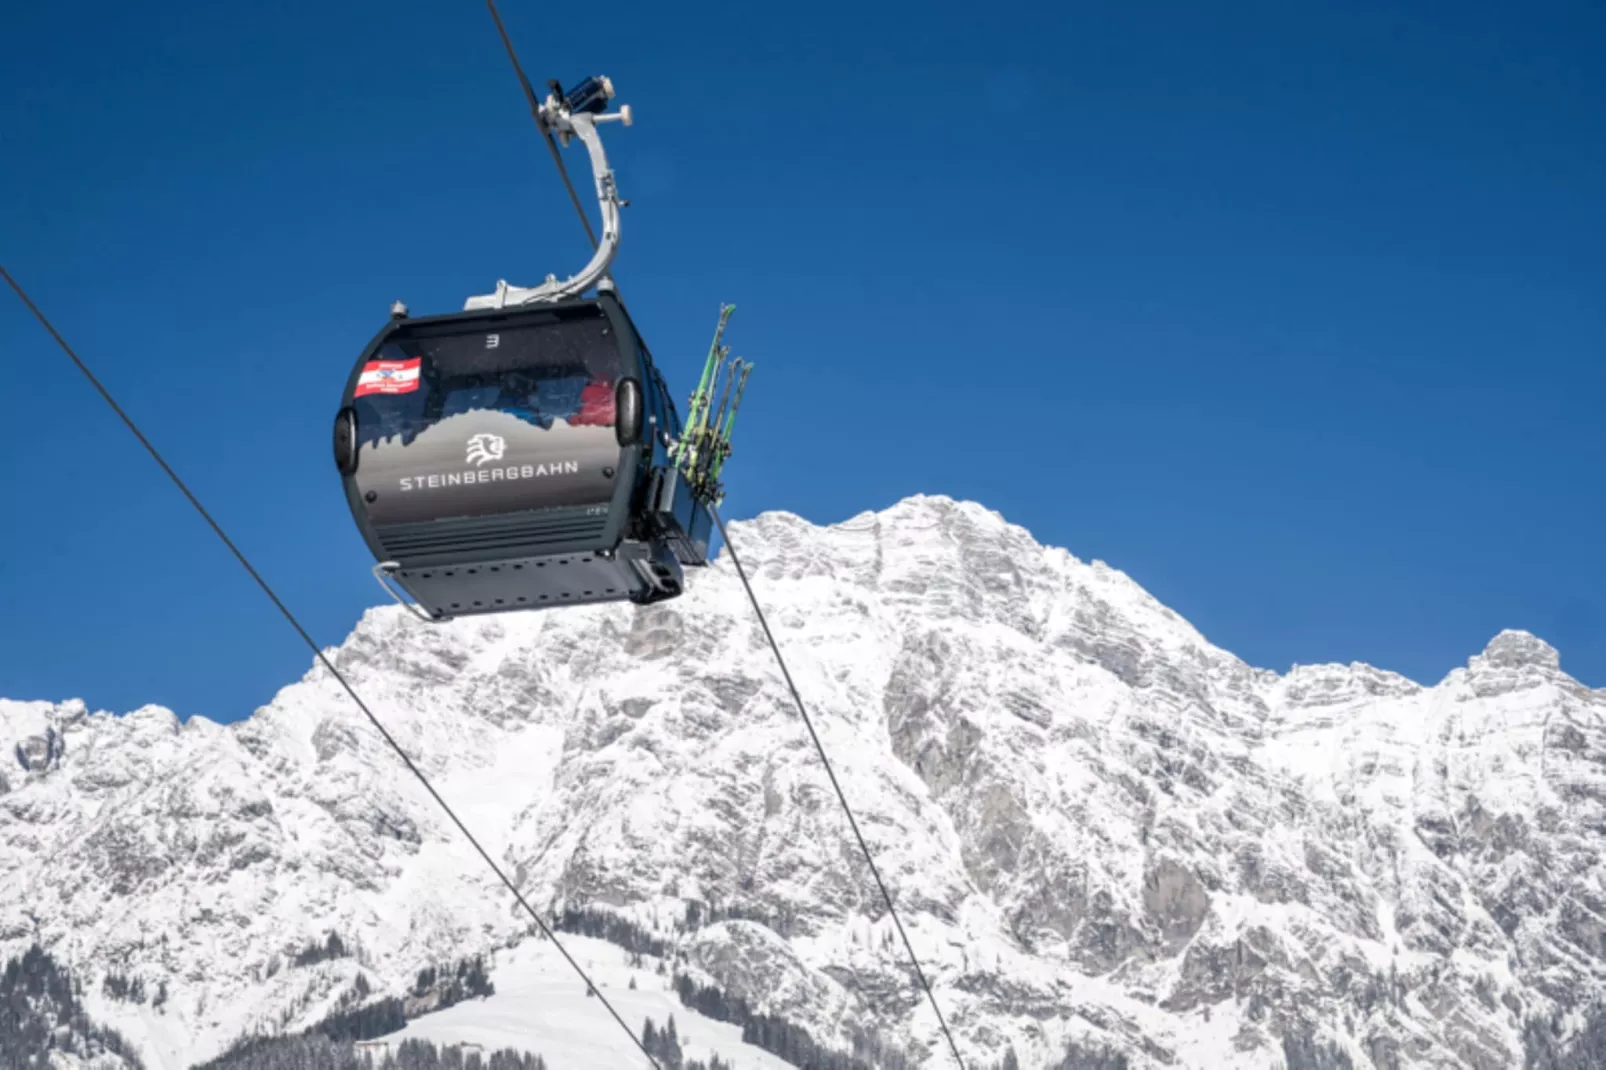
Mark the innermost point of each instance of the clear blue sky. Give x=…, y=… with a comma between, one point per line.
x=1293, y=312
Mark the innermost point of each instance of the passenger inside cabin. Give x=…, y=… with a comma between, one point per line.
x=596, y=405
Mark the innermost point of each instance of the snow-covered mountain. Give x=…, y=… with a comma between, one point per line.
x=1103, y=832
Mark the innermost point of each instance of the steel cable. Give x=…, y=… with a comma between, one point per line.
x=319, y=654
x=829, y=772
x=535, y=111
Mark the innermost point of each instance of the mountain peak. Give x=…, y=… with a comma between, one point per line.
x=1515, y=649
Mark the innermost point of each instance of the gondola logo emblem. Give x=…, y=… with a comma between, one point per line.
x=485, y=447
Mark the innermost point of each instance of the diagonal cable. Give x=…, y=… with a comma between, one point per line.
x=318, y=652
x=535, y=111
x=842, y=798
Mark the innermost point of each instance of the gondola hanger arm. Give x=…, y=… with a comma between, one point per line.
x=571, y=115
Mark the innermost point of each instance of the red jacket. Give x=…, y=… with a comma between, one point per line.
x=596, y=406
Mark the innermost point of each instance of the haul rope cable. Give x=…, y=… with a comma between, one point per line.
x=318, y=652
x=585, y=221
x=540, y=122
x=820, y=747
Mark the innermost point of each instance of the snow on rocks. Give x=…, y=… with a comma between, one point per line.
x=1100, y=829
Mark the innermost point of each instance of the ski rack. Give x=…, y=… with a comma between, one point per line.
x=570, y=115
x=705, y=443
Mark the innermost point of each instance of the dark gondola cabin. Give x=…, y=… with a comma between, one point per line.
x=515, y=459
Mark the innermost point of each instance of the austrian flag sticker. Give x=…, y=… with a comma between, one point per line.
x=389, y=377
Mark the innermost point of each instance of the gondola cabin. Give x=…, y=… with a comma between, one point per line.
x=516, y=458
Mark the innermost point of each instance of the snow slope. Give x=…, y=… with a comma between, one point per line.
x=1101, y=829
x=540, y=1006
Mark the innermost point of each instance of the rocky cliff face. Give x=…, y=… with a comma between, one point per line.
x=1103, y=833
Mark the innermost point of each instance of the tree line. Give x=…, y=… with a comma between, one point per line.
x=354, y=1020
x=319, y=1052
x=41, y=1017
x=782, y=1039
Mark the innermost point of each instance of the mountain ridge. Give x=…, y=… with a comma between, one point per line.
x=1159, y=848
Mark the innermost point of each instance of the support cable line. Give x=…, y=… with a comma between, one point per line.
x=808, y=723
x=540, y=120
x=319, y=654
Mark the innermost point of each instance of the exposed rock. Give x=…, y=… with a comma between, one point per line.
x=1102, y=831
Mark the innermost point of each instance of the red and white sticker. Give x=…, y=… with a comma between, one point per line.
x=389, y=377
